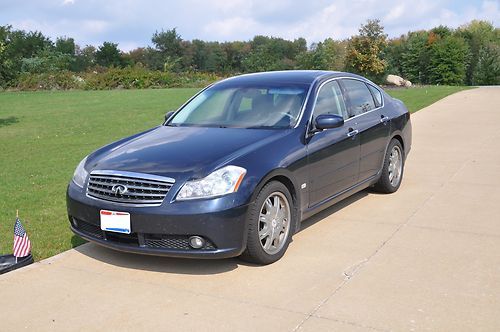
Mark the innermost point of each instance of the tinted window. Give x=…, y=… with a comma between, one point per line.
x=377, y=95
x=360, y=98
x=330, y=101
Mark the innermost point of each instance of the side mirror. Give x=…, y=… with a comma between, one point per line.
x=168, y=115
x=328, y=121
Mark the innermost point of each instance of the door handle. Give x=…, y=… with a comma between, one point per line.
x=352, y=132
x=384, y=119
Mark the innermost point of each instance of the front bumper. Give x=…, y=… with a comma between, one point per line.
x=164, y=230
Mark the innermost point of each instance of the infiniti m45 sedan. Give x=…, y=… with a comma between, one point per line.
x=235, y=170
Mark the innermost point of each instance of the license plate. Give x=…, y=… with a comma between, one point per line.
x=115, y=221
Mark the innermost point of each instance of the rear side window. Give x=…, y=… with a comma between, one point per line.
x=360, y=98
x=377, y=95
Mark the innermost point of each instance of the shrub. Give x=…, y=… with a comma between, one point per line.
x=113, y=78
x=61, y=80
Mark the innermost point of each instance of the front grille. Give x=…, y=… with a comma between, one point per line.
x=87, y=228
x=128, y=187
x=174, y=242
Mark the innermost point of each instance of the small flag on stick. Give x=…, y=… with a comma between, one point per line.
x=22, y=244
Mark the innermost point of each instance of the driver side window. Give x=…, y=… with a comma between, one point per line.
x=330, y=101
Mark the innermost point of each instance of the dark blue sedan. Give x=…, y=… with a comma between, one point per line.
x=236, y=169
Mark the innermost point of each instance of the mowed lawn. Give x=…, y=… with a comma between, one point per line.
x=419, y=97
x=43, y=136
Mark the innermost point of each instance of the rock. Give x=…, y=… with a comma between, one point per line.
x=395, y=80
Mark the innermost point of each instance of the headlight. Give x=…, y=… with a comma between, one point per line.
x=221, y=182
x=80, y=174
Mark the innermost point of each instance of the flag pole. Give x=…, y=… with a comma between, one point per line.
x=17, y=216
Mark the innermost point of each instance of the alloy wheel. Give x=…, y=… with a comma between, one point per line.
x=274, y=222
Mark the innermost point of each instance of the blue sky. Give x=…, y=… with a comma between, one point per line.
x=130, y=23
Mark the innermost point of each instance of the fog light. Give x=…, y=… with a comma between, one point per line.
x=196, y=242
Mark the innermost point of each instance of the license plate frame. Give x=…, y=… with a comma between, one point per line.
x=115, y=221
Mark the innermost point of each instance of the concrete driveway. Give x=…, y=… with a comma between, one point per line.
x=425, y=258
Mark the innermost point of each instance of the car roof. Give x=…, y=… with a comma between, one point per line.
x=285, y=76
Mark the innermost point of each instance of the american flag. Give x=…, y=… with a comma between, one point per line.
x=22, y=245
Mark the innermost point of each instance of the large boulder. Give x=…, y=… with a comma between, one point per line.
x=395, y=80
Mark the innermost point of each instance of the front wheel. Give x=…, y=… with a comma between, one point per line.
x=270, y=222
x=392, y=170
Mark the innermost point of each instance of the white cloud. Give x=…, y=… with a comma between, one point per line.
x=94, y=26
x=395, y=13
x=68, y=2
x=229, y=28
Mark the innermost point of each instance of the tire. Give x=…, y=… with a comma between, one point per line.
x=268, y=237
x=392, y=170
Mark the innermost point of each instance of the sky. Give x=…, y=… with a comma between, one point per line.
x=131, y=23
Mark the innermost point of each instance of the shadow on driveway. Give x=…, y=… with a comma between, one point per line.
x=158, y=263
x=332, y=209
x=186, y=265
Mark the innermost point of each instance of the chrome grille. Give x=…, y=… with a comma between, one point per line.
x=128, y=187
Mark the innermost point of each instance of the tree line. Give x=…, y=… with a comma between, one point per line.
x=468, y=55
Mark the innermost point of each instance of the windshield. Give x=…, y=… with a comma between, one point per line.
x=244, y=107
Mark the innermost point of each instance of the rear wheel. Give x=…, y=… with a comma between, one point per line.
x=392, y=170
x=270, y=223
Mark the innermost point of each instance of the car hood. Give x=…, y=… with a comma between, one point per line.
x=186, y=151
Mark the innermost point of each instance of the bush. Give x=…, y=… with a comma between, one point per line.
x=113, y=78
x=62, y=80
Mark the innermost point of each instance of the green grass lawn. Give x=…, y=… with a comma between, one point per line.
x=43, y=136
x=417, y=98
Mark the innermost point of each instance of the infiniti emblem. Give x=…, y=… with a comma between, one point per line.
x=119, y=189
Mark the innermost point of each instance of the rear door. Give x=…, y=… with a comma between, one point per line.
x=333, y=154
x=366, y=109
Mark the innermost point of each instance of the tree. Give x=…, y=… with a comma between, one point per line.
x=65, y=46
x=48, y=61
x=326, y=55
x=108, y=55
x=169, y=45
x=136, y=56
x=487, y=71
x=169, y=42
x=415, y=56
x=235, y=52
x=442, y=31
x=270, y=53
x=477, y=34
x=448, y=61
x=365, y=51
x=394, y=55
x=84, y=58
x=17, y=45
x=4, y=60
x=27, y=44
